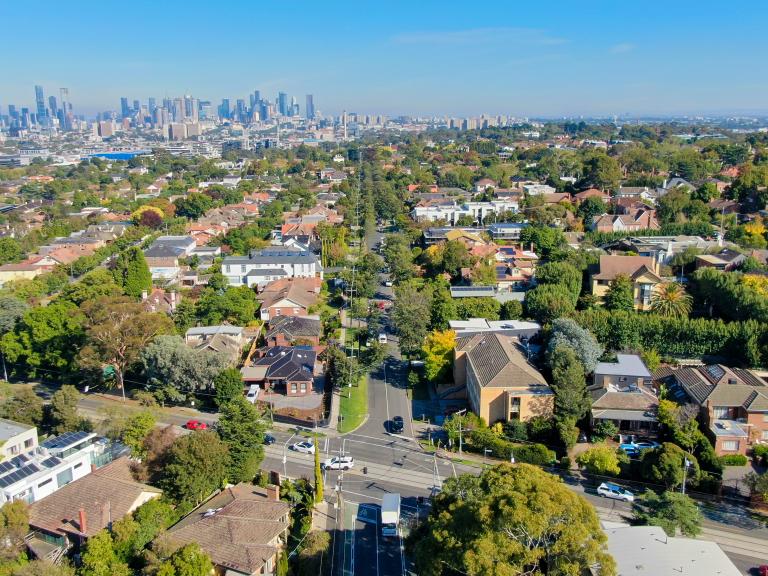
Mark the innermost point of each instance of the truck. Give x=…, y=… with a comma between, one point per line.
x=390, y=515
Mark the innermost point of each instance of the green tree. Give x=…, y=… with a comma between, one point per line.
x=513, y=519
x=241, y=428
x=46, y=337
x=100, y=559
x=511, y=310
x=666, y=465
x=117, y=330
x=567, y=332
x=310, y=559
x=671, y=299
x=63, y=411
x=601, y=460
x=23, y=406
x=411, y=315
x=673, y=511
x=136, y=429
x=11, y=311
x=10, y=250
x=228, y=385
x=169, y=363
x=572, y=400
x=132, y=273
x=488, y=308
x=601, y=171
x=189, y=560
x=14, y=526
x=590, y=208
x=99, y=282
x=44, y=568
x=197, y=465
x=546, y=302
x=620, y=294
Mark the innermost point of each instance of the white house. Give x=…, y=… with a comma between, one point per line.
x=538, y=189
x=268, y=262
x=38, y=471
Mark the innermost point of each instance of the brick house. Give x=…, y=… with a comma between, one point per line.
x=289, y=330
x=733, y=403
x=288, y=370
x=289, y=297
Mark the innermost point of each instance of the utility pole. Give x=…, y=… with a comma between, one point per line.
x=685, y=471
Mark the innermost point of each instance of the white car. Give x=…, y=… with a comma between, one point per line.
x=388, y=283
x=253, y=393
x=338, y=463
x=609, y=490
x=306, y=447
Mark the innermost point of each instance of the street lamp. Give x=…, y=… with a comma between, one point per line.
x=461, y=442
x=486, y=451
x=511, y=456
x=686, y=465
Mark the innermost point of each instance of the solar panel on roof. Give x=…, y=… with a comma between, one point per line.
x=19, y=460
x=66, y=439
x=5, y=467
x=51, y=462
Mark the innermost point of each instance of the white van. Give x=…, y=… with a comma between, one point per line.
x=390, y=515
x=253, y=393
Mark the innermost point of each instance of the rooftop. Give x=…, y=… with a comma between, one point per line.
x=10, y=429
x=625, y=365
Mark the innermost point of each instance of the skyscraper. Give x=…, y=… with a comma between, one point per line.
x=282, y=103
x=152, y=104
x=125, y=110
x=224, y=108
x=64, y=119
x=53, y=106
x=309, y=110
x=40, y=101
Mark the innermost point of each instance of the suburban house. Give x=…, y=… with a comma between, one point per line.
x=500, y=382
x=661, y=248
x=289, y=370
x=74, y=513
x=160, y=300
x=20, y=271
x=289, y=297
x=622, y=393
x=294, y=263
x=725, y=260
x=641, y=270
x=516, y=328
x=290, y=330
x=631, y=220
x=243, y=529
x=640, y=550
x=733, y=403
x=506, y=231
x=483, y=184
x=31, y=472
x=163, y=256
x=223, y=339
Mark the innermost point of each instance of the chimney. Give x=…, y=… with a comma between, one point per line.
x=273, y=492
x=83, y=521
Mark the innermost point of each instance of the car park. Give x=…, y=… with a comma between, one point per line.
x=196, y=425
x=306, y=447
x=397, y=425
x=338, y=463
x=614, y=491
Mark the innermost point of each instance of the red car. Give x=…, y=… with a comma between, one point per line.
x=763, y=570
x=196, y=425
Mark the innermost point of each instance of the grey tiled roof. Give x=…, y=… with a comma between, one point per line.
x=496, y=362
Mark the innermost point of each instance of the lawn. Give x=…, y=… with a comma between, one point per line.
x=354, y=405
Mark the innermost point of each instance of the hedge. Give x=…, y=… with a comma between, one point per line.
x=744, y=342
x=484, y=438
x=734, y=460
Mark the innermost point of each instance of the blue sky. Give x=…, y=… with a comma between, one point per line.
x=413, y=57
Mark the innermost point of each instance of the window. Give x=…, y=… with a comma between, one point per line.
x=45, y=482
x=622, y=378
x=14, y=449
x=765, y=417
x=293, y=387
x=63, y=478
x=730, y=445
x=28, y=443
x=765, y=435
x=78, y=465
x=721, y=412
x=303, y=387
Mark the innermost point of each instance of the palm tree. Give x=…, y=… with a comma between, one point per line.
x=671, y=299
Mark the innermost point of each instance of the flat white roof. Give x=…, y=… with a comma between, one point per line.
x=492, y=325
x=648, y=551
x=625, y=365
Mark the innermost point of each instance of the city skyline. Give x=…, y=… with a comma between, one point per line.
x=567, y=60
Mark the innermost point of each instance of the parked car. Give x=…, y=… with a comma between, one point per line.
x=196, y=425
x=382, y=338
x=305, y=447
x=338, y=463
x=647, y=445
x=397, y=425
x=253, y=393
x=610, y=490
x=388, y=283
x=763, y=570
x=269, y=439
